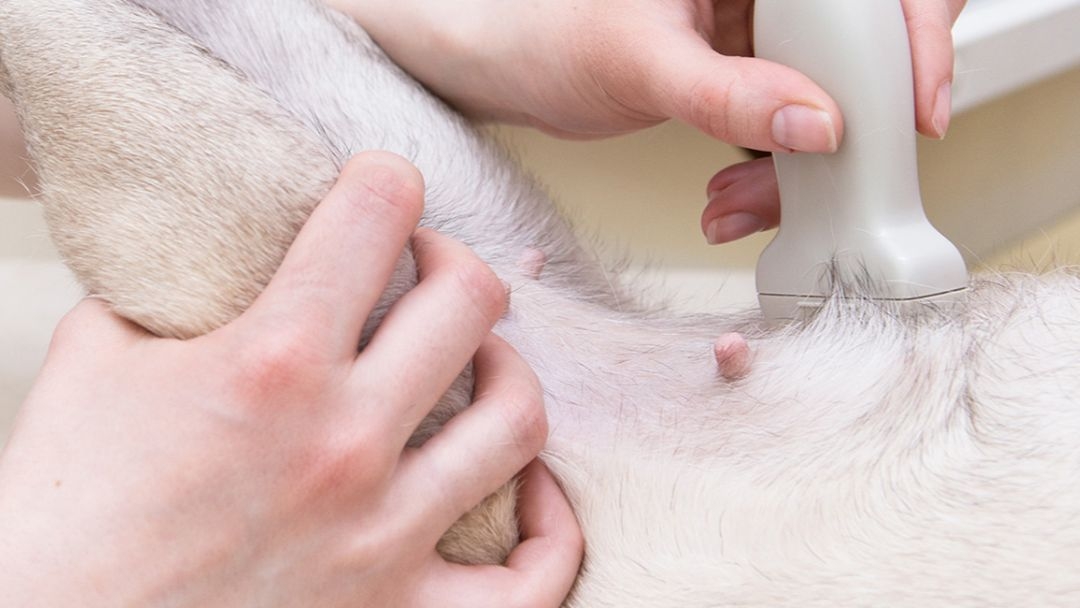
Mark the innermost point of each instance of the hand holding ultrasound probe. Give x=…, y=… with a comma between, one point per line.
x=584, y=69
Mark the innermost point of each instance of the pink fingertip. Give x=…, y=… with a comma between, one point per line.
x=801, y=128
x=733, y=226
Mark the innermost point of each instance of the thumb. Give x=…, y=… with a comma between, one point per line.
x=741, y=100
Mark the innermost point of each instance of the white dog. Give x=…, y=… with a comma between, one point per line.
x=867, y=458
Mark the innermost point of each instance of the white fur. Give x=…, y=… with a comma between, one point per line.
x=869, y=458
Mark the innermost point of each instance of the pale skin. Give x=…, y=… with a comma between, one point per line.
x=594, y=68
x=265, y=464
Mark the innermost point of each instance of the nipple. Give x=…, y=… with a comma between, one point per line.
x=732, y=356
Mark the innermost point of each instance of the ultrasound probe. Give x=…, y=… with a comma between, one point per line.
x=855, y=216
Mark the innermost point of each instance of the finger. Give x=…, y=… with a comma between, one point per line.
x=929, y=24
x=541, y=570
x=743, y=199
x=344, y=256
x=485, y=445
x=744, y=101
x=552, y=544
x=432, y=332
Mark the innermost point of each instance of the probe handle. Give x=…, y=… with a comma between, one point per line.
x=854, y=218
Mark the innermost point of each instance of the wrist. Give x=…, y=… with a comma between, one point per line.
x=62, y=545
x=32, y=572
x=446, y=46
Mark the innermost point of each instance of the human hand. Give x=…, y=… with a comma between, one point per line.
x=265, y=463
x=588, y=68
x=744, y=198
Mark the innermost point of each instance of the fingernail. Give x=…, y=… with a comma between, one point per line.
x=804, y=129
x=727, y=228
x=942, y=110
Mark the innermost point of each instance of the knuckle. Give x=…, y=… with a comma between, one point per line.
x=389, y=185
x=934, y=19
x=931, y=28
x=526, y=420
x=711, y=108
x=278, y=366
x=480, y=282
x=358, y=461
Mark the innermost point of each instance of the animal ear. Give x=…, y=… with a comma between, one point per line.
x=171, y=185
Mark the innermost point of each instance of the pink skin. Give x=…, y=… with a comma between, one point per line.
x=733, y=356
x=281, y=445
x=532, y=262
x=743, y=198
